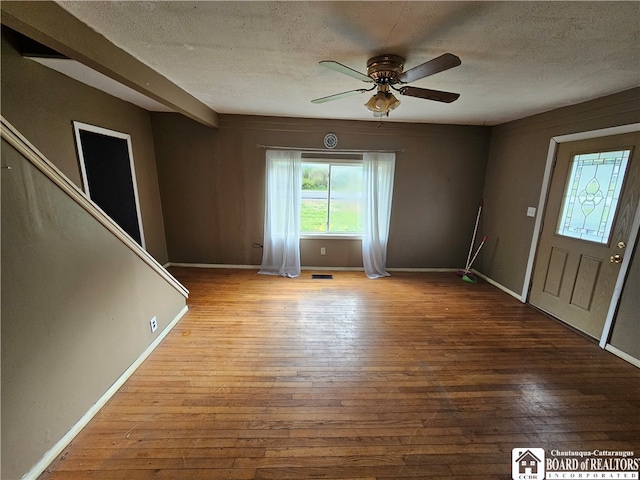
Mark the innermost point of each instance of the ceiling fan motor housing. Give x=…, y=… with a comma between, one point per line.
x=385, y=69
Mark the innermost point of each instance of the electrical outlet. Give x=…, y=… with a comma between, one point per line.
x=323, y=251
x=154, y=324
x=531, y=212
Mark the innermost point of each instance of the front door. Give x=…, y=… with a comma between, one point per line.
x=593, y=196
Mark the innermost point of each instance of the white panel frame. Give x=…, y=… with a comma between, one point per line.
x=548, y=171
x=78, y=127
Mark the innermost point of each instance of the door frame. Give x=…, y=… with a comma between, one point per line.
x=542, y=202
x=77, y=128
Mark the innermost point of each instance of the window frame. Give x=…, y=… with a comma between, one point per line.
x=345, y=159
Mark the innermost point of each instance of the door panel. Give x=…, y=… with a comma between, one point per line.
x=574, y=273
x=555, y=272
x=585, y=284
x=108, y=173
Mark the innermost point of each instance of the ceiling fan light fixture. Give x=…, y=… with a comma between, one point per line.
x=383, y=101
x=393, y=102
x=376, y=103
x=387, y=71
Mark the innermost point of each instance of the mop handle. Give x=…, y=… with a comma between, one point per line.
x=477, y=252
x=473, y=239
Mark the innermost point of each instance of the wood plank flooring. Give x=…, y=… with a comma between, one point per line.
x=411, y=376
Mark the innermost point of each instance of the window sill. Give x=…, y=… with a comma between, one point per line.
x=330, y=236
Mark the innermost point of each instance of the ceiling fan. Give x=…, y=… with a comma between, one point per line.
x=385, y=72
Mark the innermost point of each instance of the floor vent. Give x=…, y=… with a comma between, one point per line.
x=321, y=276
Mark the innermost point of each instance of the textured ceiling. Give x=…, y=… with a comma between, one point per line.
x=261, y=58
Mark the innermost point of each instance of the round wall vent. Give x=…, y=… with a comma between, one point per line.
x=330, y=140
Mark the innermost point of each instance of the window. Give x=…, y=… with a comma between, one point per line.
x=331, y=200
x=591, y=195
x=354, y=198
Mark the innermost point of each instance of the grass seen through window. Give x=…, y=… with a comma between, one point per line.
x=331, y=198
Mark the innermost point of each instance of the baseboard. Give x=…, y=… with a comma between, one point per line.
x=306, y=267
x=423, y=270
x=251, y=267
x=625, y=356
x=499, y=286
x=51, y=455
x=212, y=265
x=399, y=269
x=333, y=269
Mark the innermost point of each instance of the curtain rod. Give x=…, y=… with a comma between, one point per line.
x=334, y=150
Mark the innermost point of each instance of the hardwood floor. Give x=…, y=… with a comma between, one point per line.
x=410, y=376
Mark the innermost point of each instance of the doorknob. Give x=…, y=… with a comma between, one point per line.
x=615, y=258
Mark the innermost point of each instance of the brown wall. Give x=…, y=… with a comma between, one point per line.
x=42, y=104
x=625, y=335
x=76, y=305
x=212, y=185
x=515, y=170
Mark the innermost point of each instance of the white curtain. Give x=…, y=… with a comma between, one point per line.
x=281, y=252
x=377, y=172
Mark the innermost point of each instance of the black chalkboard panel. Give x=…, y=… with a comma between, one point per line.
x=109, y=178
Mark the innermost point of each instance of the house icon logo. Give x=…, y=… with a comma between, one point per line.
x=527, y=464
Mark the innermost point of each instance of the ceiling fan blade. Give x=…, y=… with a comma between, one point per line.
x=338, y=67
x=438, y=64
x=338, y=96
x=437, y=95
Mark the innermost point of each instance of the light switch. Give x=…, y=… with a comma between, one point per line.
x=531, y=212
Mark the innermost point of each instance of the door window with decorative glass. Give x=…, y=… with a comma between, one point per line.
x=591, y=195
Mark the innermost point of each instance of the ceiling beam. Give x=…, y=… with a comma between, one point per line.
x=51, y=25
